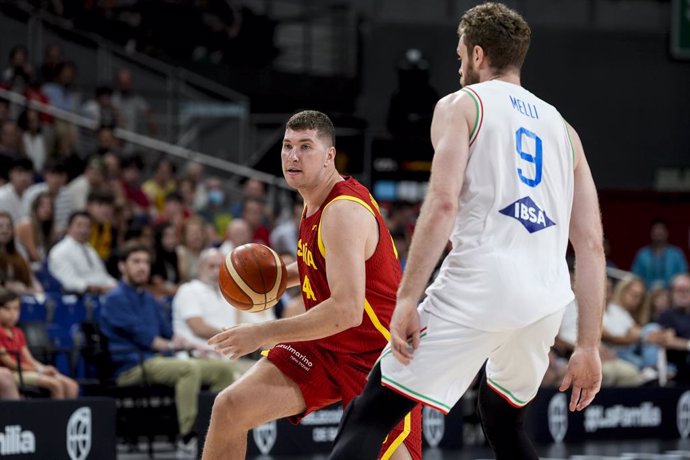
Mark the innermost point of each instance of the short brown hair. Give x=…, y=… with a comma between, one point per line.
x=503, y=34
x=311, y=119
x=130, y=247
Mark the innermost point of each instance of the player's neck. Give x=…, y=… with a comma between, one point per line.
x=314, y=197
x=507, y=76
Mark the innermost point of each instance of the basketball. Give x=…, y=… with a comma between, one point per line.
x=253, y=277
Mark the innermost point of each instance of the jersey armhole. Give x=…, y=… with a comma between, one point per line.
x=570, y=142
x=479, y=118
x=319, y=240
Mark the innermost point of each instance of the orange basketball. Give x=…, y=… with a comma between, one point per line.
x=253, y=277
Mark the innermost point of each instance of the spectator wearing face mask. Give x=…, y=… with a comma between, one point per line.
x=217, y=211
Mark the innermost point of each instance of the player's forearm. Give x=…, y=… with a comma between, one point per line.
x=326, y=319
x=590, y=286
x=430, y=238
x=292, y=275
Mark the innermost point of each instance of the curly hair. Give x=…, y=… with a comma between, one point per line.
x=503, y=34
x=311, y=119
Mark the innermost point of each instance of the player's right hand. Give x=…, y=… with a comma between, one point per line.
x=584, y=374
x=404, y=331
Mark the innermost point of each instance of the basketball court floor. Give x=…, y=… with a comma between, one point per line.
x=601, y=450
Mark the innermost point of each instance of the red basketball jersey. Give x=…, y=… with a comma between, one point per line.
x=383, y=274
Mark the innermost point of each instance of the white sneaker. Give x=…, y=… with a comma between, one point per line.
x=187, y=450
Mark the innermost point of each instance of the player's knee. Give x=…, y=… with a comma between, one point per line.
x=228, y=410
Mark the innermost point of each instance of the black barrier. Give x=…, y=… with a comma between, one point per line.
x=317, y=431
x=616, y=413
x=79, y=429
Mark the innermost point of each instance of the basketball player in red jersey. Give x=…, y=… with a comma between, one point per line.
x=348, y=270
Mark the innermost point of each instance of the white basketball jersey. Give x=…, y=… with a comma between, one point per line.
x=507, y=267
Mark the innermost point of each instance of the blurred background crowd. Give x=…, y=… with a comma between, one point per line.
x=107, y=105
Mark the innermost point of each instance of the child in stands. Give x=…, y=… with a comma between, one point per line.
x=14, y=352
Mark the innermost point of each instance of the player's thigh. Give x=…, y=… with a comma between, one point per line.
x=516, y=368
x=262, y=394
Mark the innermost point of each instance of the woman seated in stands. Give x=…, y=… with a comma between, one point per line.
x=15, y=273
x=194, y=240
x=15, y=354
x=36, y=233
x=626, y=327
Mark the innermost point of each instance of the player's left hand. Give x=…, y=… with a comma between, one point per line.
x=236, y=341
x=404, y=331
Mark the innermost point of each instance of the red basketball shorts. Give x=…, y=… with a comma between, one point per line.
x=325, y=378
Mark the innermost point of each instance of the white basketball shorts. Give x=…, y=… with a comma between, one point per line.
x=450, y=355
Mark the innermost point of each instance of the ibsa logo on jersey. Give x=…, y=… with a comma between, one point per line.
x=528, y=214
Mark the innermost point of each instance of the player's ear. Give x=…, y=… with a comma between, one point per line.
x=478, y=55
x=330, y=155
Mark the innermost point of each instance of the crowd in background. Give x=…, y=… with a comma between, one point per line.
x=67, y=207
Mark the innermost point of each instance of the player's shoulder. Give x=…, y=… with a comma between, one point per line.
x=458, y=101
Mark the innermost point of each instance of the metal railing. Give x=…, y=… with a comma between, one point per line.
x=146, y=142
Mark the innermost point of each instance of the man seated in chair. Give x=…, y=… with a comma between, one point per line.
x=200, y=311
x=141, y=343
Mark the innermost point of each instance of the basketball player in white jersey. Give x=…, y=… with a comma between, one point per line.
x=509, y=185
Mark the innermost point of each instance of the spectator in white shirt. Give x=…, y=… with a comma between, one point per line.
x=93, y=178
x=75, y=263
x=199, y=309
x=21, y=177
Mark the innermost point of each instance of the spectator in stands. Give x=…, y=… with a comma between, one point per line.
x=254, y=213
x=133, y=108
x=199, y=309
x=174, y=212
x=658, y=301
x=17, y=75
x=55, y=178
x=21, y=177
x=217, y=211
x=14, y=352
x=195, y=172
x=252, y=188
x=75, y=264
x=92, y=179
x=65, y=149
x=15, y=273
x=237, y=233
x=8, y=386
x=194, y=240
x=106, y=142
x=283, y=237
x=134, y=323
x=677, y=318
x=101, y=207
x=659, y=262
x=11, y=147
x=101, y=108
x=633, y=342
x=161, y=184
x=165, y=270
x=60, y=91
x=134, y=196
x=52, y=58
x=33, y=142
x=36, y=233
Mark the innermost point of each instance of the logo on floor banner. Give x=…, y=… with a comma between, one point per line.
x=79, y=434
x=683, y=415
x=558, y=417
x=265, y=436
x=433, y=426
